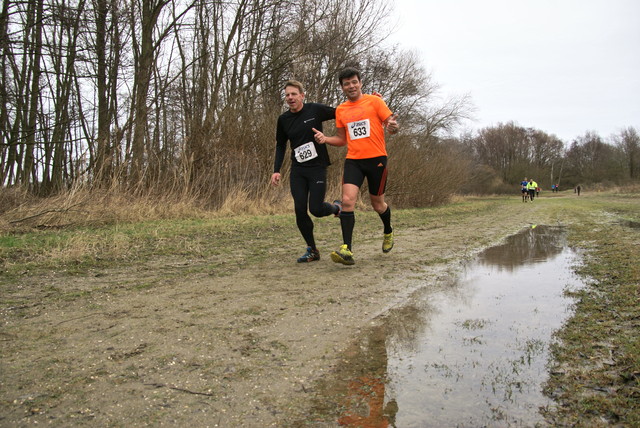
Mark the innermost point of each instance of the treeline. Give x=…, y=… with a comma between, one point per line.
x=148, y=97
x=504, y=154
x=160, y=96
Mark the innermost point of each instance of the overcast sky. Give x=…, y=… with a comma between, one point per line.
x=561, y=66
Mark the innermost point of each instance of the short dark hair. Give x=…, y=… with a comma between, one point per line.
x=348, y=73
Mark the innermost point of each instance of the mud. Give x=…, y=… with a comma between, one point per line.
x=161, y=345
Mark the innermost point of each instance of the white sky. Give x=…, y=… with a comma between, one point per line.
x=561, y=66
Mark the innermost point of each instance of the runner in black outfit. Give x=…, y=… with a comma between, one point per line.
x=309, y=162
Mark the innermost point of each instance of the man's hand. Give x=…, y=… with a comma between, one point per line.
x=275, y=179
x=391, y=124
x=320, y=137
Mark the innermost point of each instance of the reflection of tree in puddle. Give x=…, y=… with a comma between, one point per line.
x=356, y=394
x=364, y=401
x=532, y=245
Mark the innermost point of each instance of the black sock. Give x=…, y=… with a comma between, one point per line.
x=347, y=223
x=386, y=220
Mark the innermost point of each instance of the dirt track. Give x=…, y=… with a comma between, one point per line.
x=159, y=345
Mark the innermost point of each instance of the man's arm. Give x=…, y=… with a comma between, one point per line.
x=340, y=139
x=281, y=147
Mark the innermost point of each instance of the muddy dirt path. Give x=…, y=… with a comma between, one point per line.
x=152, y=346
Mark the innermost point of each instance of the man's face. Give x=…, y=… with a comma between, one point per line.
x=294, y=98
x=352, y=87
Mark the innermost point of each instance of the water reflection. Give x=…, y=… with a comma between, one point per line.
x=474, y=355
x=536, y=244
x=364, y=401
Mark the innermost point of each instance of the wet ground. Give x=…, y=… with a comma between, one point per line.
x=473, y=355
x=199, y=339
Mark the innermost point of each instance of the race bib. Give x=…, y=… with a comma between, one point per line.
x=359, y=129
x=306, y=152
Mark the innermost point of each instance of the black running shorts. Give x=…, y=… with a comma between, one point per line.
x=373, y=169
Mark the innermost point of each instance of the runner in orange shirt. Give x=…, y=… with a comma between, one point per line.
x=360, y=124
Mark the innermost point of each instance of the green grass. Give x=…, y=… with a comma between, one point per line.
x=78, y=250
x=597, y=358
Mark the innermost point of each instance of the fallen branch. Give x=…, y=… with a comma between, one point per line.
x=162, y=385
x=55, y=210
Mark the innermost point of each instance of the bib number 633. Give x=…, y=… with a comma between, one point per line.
x=359, y=129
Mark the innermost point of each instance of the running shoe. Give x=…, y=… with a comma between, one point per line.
x=387, y=243
x=343, y=256
x=338, y=203
x=310, y=256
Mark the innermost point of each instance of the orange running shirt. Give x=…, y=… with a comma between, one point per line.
x=362, y=121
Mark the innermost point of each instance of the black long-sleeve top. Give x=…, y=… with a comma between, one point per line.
x=297, y=129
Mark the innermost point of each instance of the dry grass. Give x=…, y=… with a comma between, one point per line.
x=84, y=206
x=94, y=207
x=227, y=185
x=89, y=207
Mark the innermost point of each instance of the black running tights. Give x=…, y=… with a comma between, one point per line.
x=308, y=188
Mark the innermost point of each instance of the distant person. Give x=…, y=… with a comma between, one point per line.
x=531, y=188
x=309, y=162
x=578, y=189
x=523, y=189
x=557, y=188
x=537, y=190
x=360, y=124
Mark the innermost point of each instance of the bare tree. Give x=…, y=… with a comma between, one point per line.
x=144, y=18
x=23, y=47
x=628, y=141
x=505, y=148
x=108, y=49
x=8, y=147
x=591, y=160
x=62, y=51
x=514, y=152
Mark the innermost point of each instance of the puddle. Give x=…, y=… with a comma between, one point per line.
x=473, y=355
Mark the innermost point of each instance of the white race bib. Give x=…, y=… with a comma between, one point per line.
x=306, y=152
x=359, y=129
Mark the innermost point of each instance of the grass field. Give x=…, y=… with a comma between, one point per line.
x=231, y=282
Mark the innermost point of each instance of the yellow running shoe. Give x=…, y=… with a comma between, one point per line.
x=343, y=256
x=387, y=243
